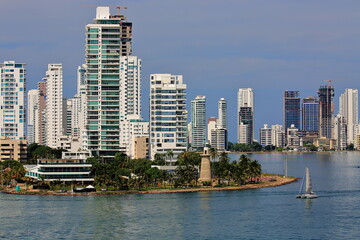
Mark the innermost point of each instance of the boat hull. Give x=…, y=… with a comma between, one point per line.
x=307, y=196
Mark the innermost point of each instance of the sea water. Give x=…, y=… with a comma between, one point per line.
x=268, y=213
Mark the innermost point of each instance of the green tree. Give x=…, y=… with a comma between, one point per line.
x=140, y=168
x=159, y=159
x=186, y=170
x=350, y=147
x=213, y=153
x=224, y=167
x=230, y=146
x=12, y=170
x=170, y=155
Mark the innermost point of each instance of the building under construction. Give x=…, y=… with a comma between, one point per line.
x=326, y=110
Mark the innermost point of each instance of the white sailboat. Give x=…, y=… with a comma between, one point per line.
x=308, y=187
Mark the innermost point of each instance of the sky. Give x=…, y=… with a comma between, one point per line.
x=218, y=46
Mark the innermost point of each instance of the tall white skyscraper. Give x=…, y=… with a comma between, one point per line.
x=211, y=126
x=222, y=118
x=340, y=132
x=12, y=100
x=198, y=123
x=168, y=115
x=54, y=127
x=32, y=112
x=40, y=126
x=245, y=115
x=348, y=108
x=80, y=101
x=112, y=83
x=130, y=98
x=278, y=135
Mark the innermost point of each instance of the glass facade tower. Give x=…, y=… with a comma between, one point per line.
x=291, y=109
x=310, y=114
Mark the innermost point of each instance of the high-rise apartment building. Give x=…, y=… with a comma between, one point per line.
x=219, y=139
x=245, y=115
x=222, y=115
x=54, y=106
x=32, y=114
x=40, y=126
x=340, y=132
x=168, y=115
x=211, y=126
x=68, y=116
x=291, y=109
x=265, y=135
x=112, y=83
x=310, y=114
x=348, y=107
x=278, y=135
x=293, y=139
x=12, y=100
x=138, y=132
x=198, y=120
x=326, y=110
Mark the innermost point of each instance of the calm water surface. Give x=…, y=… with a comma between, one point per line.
x=269, y=213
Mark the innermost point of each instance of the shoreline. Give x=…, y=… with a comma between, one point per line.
x=278, y=182
x=346, y=151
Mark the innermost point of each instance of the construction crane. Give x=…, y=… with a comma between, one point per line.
x=332, y=80
x=117, y=7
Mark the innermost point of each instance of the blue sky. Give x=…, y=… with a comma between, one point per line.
x=218, y=45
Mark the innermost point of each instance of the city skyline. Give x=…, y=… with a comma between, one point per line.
x=257, y=52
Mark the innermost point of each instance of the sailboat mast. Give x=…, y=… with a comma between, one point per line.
x=308, y=187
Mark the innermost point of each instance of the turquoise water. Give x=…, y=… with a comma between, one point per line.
x=269, y=213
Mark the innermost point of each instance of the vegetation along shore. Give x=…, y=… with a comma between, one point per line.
x=138, y=176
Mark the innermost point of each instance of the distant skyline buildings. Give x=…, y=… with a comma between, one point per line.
x=326, y=109
x=245, y=115
x=310, y=114
x=40, y=128
x=305, y=75
x=198, y=123
x=110, y=78
x=291, y=108
x=217, y=128
x=348, y=108
x=265, y=135
x=222, y=114
x=340, y=133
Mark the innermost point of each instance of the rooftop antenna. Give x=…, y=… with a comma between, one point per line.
x=332, y=80
x=117, y=7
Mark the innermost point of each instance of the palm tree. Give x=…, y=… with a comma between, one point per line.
x=223, y=156
x=213, y=153
x=244, y=164
x=224, y=166
x=160, y=158
x=255, y=169
x=187, y=162
x=170, y=154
